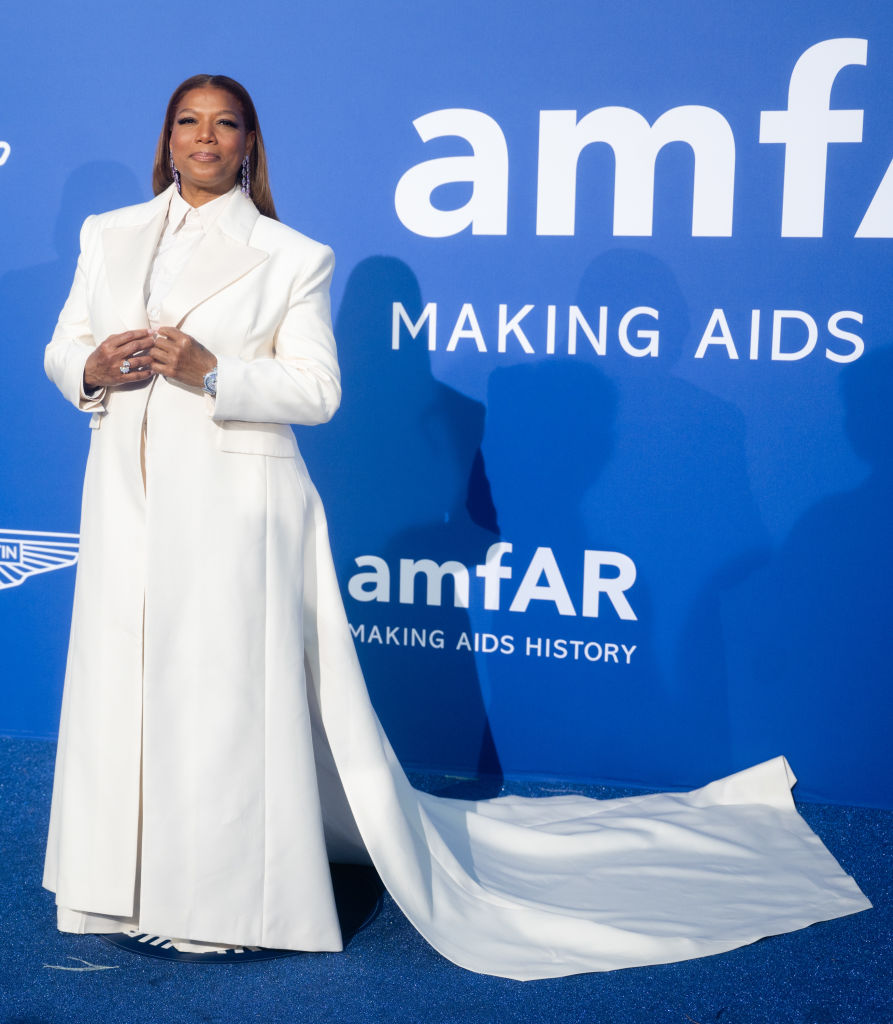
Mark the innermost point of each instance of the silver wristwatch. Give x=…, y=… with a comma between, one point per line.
x=209, y=383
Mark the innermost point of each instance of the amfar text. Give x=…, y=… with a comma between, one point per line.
x=542, y=581
x=806, y=128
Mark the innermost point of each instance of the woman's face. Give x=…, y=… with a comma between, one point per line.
x=208, y=143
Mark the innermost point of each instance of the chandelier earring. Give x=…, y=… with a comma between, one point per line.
x=246, y=178
x=175, y=174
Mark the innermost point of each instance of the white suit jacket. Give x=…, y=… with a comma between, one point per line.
x=254, y=292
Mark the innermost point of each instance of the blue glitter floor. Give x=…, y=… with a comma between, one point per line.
x=839, y=972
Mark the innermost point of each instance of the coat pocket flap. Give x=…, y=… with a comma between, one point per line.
x=274, y=439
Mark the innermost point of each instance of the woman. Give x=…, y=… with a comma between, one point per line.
x=214, y=715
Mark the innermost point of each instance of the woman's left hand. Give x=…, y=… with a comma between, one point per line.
x=180, y=357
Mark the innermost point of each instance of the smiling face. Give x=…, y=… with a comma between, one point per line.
x=208, y=143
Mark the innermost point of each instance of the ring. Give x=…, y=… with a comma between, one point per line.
x=125, y=366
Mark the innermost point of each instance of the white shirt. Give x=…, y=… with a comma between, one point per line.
x=185, y=227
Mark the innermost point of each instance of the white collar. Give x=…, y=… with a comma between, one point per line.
x=208, y=213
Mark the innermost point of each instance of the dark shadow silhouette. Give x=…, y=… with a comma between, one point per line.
x=675, y=496
x=809, y=631
x=358, y=896
x=549, y=436
x=414, y=487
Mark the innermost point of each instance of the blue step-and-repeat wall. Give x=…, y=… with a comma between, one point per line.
x=610, y=488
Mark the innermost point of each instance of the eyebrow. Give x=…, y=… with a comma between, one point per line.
x=225, y=110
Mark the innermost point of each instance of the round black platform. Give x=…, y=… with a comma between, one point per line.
x=358, y=895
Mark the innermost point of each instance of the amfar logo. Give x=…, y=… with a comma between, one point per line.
x=805, y=129
x=25, y=553
x=542, y=581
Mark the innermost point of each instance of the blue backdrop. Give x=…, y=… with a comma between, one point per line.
x=610, y=488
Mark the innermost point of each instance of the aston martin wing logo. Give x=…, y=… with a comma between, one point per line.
x=24, y=553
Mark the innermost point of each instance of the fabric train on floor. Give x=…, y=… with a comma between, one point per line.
x=544, y=887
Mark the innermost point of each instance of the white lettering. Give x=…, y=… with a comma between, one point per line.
x=513, y=326
x=536, y=645
x=807, y=127
x=493, y=572
x=398, y=636
x=487, y=170
x=623, y=332
x=473, y=330
x=635, y=144
x=543, y=564
x=575, y=318
x=596, y=656
x=754, y=334
x=812, y=334
x=878, y=219
x=550, y=330
x=854, y=339
x=434, y=573
x=429, y=315
x=371, y=586
x=576, y=650
x=542, y=581
x=614, y=586
x=717, y=319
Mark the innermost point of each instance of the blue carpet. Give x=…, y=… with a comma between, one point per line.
x=833, y=973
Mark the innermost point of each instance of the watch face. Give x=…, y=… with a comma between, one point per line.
x=210, y=382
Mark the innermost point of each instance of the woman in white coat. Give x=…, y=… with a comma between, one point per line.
x=184, y=713
x=217, y=746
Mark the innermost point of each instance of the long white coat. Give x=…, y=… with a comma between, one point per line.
x=186, y=643
x=215, y=717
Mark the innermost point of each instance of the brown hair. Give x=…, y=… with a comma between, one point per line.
x=162, y=176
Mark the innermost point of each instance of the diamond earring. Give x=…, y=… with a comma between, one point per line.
x=246, y=178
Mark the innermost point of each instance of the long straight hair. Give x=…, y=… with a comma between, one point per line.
x=162, y=176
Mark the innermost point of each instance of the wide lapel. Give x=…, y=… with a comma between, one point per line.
x=220, y=258
x=128, y=255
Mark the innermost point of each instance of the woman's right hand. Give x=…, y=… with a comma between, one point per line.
x=103, y=366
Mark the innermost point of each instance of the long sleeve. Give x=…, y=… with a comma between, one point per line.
x=73, y=340
x=301, y=383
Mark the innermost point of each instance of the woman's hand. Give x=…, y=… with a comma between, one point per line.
x=103, y=366
x=180, y=357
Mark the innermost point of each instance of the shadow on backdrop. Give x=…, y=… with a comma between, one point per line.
x=675, y=496
x=821, y=609
x=549, y=435
x=402, y=474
